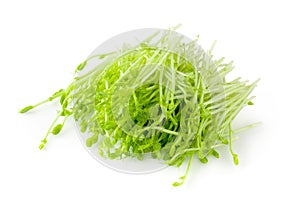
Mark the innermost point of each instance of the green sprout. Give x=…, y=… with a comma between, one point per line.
x=163, y=97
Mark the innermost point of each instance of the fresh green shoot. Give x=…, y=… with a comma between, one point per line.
x=163, y=97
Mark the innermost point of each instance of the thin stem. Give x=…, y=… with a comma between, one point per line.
x=44, y=140
x=234, y=155
x=54, y=96
x=245, y=128
x=186, y=172
x=42, y=102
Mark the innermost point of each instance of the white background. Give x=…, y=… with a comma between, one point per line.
x=41, y=42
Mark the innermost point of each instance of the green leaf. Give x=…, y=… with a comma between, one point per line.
x=56, y=130
x=176, y=184
x=92, y=140
x=66, y=112
x=215, y=153
x=41, y=146
x=62, y=98
x=43, y=142
x=58, y=92
x=235, y=159
x=223, y=140
x=250, y=103
x=65, y=104
x=203, y=160
x=81, y=66
x=55, y=94
x=26, y=109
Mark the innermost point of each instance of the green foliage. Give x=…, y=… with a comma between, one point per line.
x=170, y=100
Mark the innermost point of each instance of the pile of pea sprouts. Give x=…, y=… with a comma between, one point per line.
x=163, y=97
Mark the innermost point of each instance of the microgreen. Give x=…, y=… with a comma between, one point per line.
x=163, y=97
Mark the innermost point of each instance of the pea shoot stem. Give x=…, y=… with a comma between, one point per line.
x=44, y=140
x=245, y=128
x=182, y=179
x=54, y=96
x=234, y=155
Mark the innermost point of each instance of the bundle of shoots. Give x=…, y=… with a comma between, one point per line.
x=164, y=97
